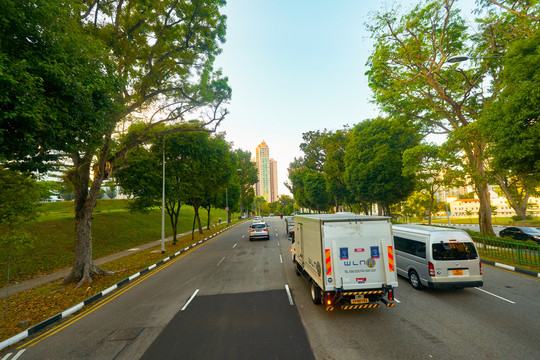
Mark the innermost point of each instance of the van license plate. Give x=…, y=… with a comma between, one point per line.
x=457, y=272
x=359, y=301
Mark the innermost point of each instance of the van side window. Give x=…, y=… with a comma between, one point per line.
x=413, y=247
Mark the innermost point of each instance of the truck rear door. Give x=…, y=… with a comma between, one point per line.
x=357, y=256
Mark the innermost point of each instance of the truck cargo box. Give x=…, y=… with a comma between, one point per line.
x=347, y=258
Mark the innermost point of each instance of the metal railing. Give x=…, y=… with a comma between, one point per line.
x=521, y=252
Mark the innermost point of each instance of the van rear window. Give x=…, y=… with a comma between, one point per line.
x=454, y=251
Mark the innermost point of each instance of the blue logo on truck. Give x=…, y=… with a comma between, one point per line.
x=344, y=253
x=375, y=252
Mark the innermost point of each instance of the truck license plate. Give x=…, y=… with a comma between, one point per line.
x=359, y=301
x=457, y=272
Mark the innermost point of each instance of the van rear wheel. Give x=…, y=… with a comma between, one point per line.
x=316, y=294
x=414, y=279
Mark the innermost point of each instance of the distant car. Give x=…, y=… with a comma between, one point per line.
x=257, y=218
x=521, y=233
x=259, y=231
x=271, y=214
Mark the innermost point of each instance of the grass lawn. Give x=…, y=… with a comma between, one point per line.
x=114, y=229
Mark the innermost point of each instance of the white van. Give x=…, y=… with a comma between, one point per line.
x=436, y=257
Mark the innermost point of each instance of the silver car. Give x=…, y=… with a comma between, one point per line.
x=259, y=231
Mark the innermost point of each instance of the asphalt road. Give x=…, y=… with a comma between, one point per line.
x=227, y=300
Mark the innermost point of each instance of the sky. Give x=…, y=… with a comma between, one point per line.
x=296, y=66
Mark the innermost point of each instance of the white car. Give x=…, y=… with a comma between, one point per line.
x=257, y=218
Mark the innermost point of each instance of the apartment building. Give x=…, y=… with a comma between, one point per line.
x=267, y=172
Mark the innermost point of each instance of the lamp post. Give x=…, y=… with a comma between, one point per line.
x=163, y=203
x=227, y=206
x=456, y=59
x=241, y=192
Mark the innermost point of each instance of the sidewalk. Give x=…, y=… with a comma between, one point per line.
x=60, y=274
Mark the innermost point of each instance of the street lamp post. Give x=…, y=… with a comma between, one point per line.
x=227, y=206
x=163, y=204
x=241, y=193
x=456, y=59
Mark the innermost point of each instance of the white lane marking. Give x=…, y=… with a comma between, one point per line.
x=289, y=295
x=280, y=258
x=234, y=245
x=18, y=354
x=6, y=357
x=243, y=236
x=497, y=296
x=278, y=243
x=220, y=261
x=134, y=249
x=191, y=298
x=396, y=300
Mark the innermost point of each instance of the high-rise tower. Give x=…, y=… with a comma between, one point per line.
x=267, y=171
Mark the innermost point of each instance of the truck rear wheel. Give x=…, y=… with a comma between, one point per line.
x=316, y=295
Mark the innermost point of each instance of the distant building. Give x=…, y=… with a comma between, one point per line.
x=267, y=172
x=470, y=207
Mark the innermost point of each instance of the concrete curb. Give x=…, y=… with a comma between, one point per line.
x=23, y=335
x=511, y=268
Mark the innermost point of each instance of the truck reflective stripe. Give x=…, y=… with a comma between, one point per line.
x=328, y=262
x=391, y=258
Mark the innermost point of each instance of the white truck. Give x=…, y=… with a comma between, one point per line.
x=347, y=258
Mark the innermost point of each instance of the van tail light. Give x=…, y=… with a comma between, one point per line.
x=431, y=269
x=328, y=299
x=391, y=295
x=480, y=263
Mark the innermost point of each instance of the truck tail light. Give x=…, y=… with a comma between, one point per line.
x=328, y=299
x=391, y=295
x=480, y=268
x=431, y=269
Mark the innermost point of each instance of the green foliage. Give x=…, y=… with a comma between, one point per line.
x=335, y=145
x=48, y=189
x=374, y=161
x=55, y=92
x=511, y=120
x=19, y=194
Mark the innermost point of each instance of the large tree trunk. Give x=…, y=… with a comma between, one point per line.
x=85, y=202
x=520, y=209
x=475, y=157
x=173, y=213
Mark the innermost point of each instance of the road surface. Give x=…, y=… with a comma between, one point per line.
x=229, y=299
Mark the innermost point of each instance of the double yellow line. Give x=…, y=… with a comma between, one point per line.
x=106, y=300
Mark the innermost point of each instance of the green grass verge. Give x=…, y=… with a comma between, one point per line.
x=28, y=308
x=114, y=229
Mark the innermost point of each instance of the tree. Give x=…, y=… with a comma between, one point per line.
x=410, y=75
x=315, y=190
x=374, y=160
x=102, y=63
x=433, y=168
x=417, y=204
x=208, y=164
x=247, y=175
x=510, y=122
x=19, y=194
x=313, y=149
x=334, y=166
x=57, y=87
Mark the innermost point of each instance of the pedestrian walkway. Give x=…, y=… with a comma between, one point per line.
x=60, y=274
